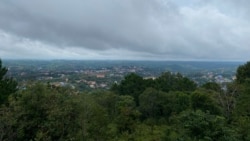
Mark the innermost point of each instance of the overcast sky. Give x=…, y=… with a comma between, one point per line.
x=125, y=29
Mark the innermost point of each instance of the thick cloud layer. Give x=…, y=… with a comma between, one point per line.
x=125, y=29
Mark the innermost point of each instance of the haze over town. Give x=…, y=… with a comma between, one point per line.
x=125, y=30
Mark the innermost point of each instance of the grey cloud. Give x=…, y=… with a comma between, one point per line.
x=94, y=24
x=198, y=29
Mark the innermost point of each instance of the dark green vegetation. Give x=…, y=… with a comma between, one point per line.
x=170, y=107
x=7, y=85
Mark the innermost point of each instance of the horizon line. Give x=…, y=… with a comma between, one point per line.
x=142, y=60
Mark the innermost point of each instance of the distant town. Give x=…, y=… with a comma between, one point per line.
x=89, y=75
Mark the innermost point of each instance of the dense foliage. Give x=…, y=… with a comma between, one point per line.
x=170, y=107
x=7, y=85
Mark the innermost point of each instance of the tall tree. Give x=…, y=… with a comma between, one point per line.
x=132, y=85
x=174, y=82
x=152, y=103
x=205, y=101
x=7, y=85
x=241, y=113
x=200, y=126
x=243, y=73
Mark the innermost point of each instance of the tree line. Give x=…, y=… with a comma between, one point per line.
x=170, y=107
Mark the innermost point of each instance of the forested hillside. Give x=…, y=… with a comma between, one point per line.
x=168, y=108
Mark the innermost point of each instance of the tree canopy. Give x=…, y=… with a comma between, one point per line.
x=243, y=73
x=7, y=85
x=170, y=107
